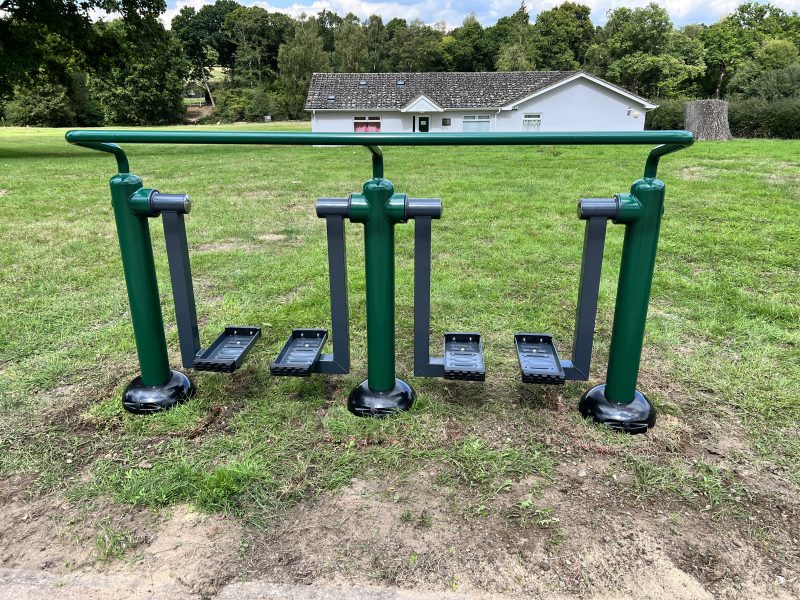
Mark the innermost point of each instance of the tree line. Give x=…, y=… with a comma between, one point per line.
x=58, y=67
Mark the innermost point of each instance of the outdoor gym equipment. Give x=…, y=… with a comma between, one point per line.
x=617, y=403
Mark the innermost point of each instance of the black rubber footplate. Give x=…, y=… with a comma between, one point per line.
x=463, y=357
x=300, y=353
x=227, y=352
x=538, y=359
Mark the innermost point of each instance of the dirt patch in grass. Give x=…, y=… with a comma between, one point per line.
x=198, y=552
x=3, y=192
x=586, y=534
x=243, y=246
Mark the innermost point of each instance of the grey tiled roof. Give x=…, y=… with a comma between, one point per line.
x=448, y=90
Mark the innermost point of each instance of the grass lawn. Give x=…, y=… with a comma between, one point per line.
x=484, y=464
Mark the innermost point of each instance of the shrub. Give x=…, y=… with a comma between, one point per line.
x=746, y=117
x=41, y=104
x=668, y=115
x=758, y=118
x=782, y=119
x=231, y=104
x=88, y=112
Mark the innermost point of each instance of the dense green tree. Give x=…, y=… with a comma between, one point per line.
x=142, y=88
x=773, y=73
x=417, y=48
x=465, y=47
x=394, y=26
x=517, y=52
x=562, y=35
x=56, y=36
x=509, y=26
x=640, y=50
x=377, y=44
x=327, y=22
x=298, y=59
x=257, y=35
x=41, y=104
x=351, y=54
x=725, y=49
x=204, y=42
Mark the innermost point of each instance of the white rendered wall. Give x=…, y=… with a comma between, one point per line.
x=580, y=105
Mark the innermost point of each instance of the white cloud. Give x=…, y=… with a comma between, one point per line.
x=453, y=12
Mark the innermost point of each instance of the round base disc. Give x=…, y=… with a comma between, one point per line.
x=636, y=417
x=364, y=402
x=142, y=399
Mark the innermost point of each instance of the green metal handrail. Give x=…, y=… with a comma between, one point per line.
x=106, y=140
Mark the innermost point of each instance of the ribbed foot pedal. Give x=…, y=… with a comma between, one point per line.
x=300, y=353
x=227, y=352
x=463, y=357
x=538, y=359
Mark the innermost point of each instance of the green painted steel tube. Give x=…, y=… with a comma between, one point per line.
x=377, y=161
x=140, y=276
x=633, y=292
x=682, y=138
x=379, y=273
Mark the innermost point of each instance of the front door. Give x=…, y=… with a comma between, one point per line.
x=424, y=124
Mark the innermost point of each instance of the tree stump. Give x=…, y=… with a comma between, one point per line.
x=707, y=119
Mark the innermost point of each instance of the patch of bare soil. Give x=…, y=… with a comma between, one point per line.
x=3, y=192
x=182, y=550
x=199, y=551
x=51, y=534
x=197, y=113
x=259, y=243
x=586, y=535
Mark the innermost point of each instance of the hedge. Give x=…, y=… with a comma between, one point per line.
x=751, y=118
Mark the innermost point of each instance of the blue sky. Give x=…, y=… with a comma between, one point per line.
x=487, y=11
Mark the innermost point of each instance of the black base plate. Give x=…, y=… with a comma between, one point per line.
x=364, y=402
x=636, y=417
x=143, y=399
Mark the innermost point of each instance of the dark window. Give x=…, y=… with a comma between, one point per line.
x=445, y=122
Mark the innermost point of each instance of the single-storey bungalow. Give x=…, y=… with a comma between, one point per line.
x=472, y=102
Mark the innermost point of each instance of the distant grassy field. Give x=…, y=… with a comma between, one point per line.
x=721, y=363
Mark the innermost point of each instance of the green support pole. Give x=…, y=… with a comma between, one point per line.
x=379, y=209
x=158, y=387
x=379, y=274
x=618, y=403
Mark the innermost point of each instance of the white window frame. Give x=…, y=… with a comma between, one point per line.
x=532, y=122
x=477, y=118
x=364, y=119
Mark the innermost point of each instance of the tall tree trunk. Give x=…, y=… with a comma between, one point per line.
x=209, y=96
x=707, y=119
x=722, y=71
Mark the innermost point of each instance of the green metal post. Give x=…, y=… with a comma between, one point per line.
x=618, y=402
x=140, y=276
x=633, y=292
x=158, y=387
x=379, y=209
x=379, y=274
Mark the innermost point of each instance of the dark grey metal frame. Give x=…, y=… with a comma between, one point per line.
x=180, y=271
x=576, y=369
